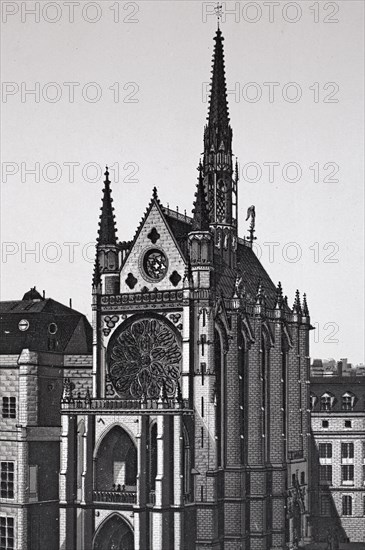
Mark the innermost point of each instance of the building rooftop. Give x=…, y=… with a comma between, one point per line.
x=42, y=324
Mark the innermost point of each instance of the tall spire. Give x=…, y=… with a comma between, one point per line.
x=218, y=105
x=200, y=211
x=218, y=159
x=107, y=229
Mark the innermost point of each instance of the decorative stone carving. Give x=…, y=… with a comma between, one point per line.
x=145, y=357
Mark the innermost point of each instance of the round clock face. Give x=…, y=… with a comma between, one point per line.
x=155, y=264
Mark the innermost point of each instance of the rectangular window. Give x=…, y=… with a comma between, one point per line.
x=33, y=483
x=347, y=450
x=9, y=407
x=347, y=474
x=325, y=450
x=325, y=474
x=7, y=479
x=7, y=539
x=347, y=505
x=325, y=505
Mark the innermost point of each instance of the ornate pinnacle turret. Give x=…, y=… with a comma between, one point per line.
x=279, y=296
x=200, y=210
x=305, y=306
x=96, y=273
x=297, y=308
x=107, y=229
x=260, y=295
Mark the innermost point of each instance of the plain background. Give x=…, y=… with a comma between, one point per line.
x=167, y=53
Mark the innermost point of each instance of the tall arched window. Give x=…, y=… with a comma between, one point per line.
x=218, y=395
x=242, y=374
x=265, y=363
x=188, y=490
x=152, y=454
x=116, y=461
x=80, y=456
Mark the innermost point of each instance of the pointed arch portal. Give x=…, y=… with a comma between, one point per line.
x=114, y=534
x=116, y=461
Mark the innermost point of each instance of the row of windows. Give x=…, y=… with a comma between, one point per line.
x=7, y=539
x=347, y=450
x=347, y=424
x=347, y=474
x=326, y=401
x=347, y=505
x=9, y=407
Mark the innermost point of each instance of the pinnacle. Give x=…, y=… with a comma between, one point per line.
x=107, y=229
x=200, y=211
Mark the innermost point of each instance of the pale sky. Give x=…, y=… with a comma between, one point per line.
x=160, y=54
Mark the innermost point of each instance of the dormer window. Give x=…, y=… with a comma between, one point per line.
x=348, y=400
x=326, y=402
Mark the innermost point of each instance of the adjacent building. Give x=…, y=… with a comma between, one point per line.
x=338, y=455
x=197, y=431
x=43, y=343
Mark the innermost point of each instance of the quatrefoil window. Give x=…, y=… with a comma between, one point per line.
x=153, y=235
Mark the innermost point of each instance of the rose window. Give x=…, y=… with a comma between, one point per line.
x=155, y=264
x=145, y=359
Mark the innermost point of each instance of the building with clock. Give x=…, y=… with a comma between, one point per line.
x=196, y=433
x=43, y=342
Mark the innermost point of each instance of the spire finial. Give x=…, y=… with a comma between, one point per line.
x=218, y=12
x=154, y=193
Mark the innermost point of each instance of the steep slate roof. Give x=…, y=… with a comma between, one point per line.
x=252, y=272
x=249, y=266
x=337, y=386
x=180, y=227
x=73, y=335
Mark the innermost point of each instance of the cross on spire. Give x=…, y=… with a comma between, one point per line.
x=218, y=12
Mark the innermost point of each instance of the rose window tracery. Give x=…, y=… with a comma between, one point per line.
x=145, y=359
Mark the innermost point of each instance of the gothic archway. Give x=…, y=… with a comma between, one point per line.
x=114, y=534
x=116, y=461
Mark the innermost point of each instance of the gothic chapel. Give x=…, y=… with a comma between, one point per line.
x=196, y=433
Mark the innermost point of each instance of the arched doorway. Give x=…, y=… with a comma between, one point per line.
x=116, y=461
x=114, y=534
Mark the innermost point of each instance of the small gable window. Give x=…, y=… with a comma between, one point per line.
x=327, y=402
x=348, y=400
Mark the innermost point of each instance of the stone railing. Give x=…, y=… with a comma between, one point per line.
x=127, y=497
x=107, y=405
